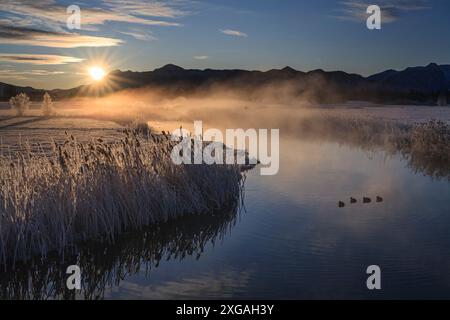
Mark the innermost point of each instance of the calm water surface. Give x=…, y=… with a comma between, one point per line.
x=292, y=241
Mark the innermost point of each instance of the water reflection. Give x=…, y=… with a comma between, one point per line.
x=103, y=265
x=425, y=146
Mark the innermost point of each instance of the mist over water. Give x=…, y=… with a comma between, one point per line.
x=268, y=107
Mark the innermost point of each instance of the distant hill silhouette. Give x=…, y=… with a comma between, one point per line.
x=8, y=90
x=422, y=79
x=415, y=85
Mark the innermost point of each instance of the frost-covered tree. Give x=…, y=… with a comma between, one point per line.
x=20, y=103
x=47, y=106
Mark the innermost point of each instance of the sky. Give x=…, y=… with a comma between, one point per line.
x=38, y=49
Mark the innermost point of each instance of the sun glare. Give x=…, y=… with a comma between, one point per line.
x=97, y=73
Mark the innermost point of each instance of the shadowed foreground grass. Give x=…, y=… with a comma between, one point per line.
x=98, y=190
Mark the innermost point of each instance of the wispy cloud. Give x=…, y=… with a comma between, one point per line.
x=23, y=75
x=201, y=57
x=234, y=33
x=43, y=22
x=165, y=9
x=37, y=59
x=140, y=35
x=391, y=10
x=53, y=14
x=54, y=39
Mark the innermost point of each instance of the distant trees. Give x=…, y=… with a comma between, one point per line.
x=20, y=103
x=47, y=106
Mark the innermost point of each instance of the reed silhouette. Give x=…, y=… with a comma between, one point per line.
x=105, y=265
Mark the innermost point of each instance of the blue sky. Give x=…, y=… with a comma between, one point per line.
x=37, y=49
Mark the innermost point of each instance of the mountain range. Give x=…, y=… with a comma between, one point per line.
x=414, y=85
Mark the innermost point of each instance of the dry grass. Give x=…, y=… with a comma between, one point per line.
x=99, y=190
x=365, y=133
x=428, y=149
x=425, y=146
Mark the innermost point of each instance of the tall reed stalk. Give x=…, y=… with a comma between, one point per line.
x=99, y=190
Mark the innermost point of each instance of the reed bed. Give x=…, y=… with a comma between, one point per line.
x=98, y=190
x=427, y=149
x=365, y=133
x=425, y=146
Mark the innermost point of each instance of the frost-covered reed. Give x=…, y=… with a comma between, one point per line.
x=98, y=190
x=424, y=145
x=427, y=148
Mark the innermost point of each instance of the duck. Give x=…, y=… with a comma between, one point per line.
x=341, y=204
x=379, y=199
x=353, y=200
x=367, y=200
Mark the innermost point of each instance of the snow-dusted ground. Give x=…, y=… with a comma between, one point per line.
x=15, y=131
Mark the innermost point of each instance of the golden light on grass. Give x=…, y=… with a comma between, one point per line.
x=97, y=73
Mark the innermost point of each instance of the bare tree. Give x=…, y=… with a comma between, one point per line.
x=47, y=106
x=20, y=103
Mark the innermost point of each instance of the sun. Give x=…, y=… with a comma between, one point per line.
x=97, y=73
